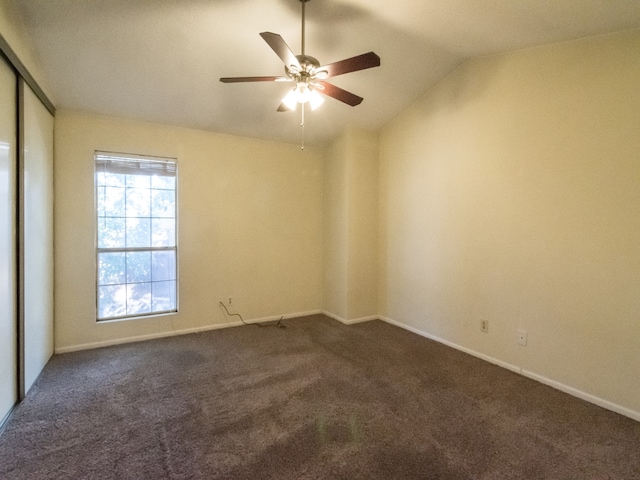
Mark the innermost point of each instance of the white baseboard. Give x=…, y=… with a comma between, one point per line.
x=532, y=375
x=141, y=338
x=352, y=321
x=274, y=318
x=172, y=333
x=583, y=395
x=482, y=356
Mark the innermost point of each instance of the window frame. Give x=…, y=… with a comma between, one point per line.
x=101, y=250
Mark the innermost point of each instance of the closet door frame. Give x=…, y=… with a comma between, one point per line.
x=20, y=239
x=23, y=79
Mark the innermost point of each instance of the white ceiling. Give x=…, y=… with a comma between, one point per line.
x=160, y=60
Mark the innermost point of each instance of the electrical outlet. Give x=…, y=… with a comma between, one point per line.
x=230, y=301
x=522, y=338
x=484, y=326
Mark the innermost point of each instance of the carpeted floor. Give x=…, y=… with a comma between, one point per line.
x=315, y=400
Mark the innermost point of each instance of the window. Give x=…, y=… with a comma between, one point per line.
x=136, y=235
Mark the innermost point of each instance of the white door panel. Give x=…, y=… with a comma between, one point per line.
x=38, y=237
x=8, y=321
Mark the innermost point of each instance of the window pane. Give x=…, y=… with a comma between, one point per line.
x=158, y=181
x=164, y=296
x=111, y=268
x=112, y=301
x=110, y=179
x=138, y=267
x=163, y=203
x=138, y=298
x=138, y=232
x=113, y=202
x=102, y=239
x=163, y=266
x=100, y=201
x=138, y=202
x=164, y=232
x=111, y=233
x=138, y=181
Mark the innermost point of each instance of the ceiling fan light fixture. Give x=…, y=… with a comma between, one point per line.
x=315, y=99
x=290, y=100
x=302, y=93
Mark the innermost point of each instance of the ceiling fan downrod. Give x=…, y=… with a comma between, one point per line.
x=303, y=24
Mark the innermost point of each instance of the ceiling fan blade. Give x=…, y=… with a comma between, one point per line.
x=339, y=94
x=353, y=64
x=281, y=48
x=254, y=79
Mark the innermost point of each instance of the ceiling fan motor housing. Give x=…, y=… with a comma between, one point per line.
x=308, y=71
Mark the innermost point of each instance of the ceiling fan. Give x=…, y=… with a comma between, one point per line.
x=307, y=73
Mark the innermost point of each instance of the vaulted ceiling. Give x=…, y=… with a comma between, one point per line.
x=161, y=60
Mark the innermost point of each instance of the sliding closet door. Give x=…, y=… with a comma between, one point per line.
x=37, y=222
x=8, y=321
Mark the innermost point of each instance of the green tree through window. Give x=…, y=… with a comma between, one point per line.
x=136, y=235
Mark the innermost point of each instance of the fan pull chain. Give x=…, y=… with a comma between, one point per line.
x=302, y=126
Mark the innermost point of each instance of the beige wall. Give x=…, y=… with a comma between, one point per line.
x=510, y=192
x=335, y=230
x=351, y=226
x=250, y=226
x=362, y=212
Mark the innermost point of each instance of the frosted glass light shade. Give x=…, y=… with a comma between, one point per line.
x=302, y=94
x=290, y=100
x=315, y=99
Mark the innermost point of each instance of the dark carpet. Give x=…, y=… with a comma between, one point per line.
x=315, y=400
